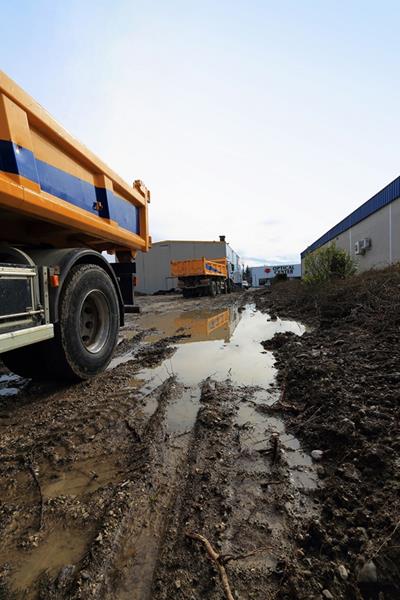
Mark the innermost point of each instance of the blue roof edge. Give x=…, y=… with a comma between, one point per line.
x=385, y=196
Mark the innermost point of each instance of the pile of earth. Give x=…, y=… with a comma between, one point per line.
x=340, y=396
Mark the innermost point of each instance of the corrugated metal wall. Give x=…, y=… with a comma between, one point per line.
x=387, y=195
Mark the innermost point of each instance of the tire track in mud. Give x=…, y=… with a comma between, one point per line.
x=80, y=443
x=206, y=480
x=227, y=498
x=121, y=559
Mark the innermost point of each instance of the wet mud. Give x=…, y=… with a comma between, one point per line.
x=104, y=483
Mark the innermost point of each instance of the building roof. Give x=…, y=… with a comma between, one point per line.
x=387, y=195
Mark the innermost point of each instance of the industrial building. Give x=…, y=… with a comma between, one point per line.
x=370, y=234
x=153, y=268
x=261, y=276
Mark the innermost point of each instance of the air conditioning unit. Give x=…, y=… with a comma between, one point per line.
x=366, y=242
x=362, y=246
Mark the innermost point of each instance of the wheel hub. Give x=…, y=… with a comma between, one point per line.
x=94, y=321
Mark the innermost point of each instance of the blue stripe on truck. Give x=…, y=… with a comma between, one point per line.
x=20, y=161
x=119, y=210
x=67, y=187
x=211, y=268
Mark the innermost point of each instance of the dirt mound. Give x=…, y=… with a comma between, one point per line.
x=370, y=299
x=341, y=396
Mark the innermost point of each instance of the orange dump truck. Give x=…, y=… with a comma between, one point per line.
x=202, y=276
x=61, y=301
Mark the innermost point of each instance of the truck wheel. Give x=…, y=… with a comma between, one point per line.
x=85, y=336
x=87, y=331
x=186, y=293
x=212, y=289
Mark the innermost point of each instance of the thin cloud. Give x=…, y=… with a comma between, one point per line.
x=272, y=222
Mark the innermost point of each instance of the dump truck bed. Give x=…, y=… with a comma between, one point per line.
x=203, y=267
x=55, y=190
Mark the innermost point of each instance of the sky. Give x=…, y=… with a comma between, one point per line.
x=264, y=121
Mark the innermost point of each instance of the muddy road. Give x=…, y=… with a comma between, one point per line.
x=105, y=485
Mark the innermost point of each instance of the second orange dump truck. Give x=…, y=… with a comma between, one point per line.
x=202, y=276
x=61, y=301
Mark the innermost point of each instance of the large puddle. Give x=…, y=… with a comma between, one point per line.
x=224, y=346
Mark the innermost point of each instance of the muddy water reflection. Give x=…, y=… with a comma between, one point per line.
x=201, y=325
x=231, y=351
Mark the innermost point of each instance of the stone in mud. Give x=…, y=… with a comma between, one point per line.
x=317, y=455
x=343, y=572
x=368, y=573
x=64, y=575
x=350, y=473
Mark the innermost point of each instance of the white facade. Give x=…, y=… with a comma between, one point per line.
x=261, y=276
x=153, y=268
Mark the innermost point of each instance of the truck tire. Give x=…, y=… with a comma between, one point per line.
x=212, y=289
x=87, y=331
x=85, y=335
